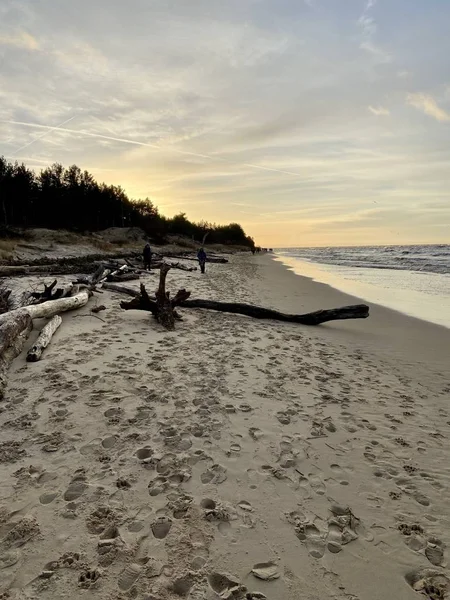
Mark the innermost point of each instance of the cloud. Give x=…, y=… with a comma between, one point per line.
x=369, y=30
x=378, y=53
x=217, y=107
x=379, y=111
x=21, y=39
x=428, y=105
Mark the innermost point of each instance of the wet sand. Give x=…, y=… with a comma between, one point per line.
x=232, y=457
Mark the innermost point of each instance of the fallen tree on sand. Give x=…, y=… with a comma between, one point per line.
x=163, y=307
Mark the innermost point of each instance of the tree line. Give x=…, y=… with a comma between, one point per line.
x=69, y=198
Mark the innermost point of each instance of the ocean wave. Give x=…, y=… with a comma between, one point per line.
x=429, y=258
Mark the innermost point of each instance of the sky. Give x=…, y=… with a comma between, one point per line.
x=310, y=122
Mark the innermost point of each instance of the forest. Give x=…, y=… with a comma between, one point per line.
x=69, y=198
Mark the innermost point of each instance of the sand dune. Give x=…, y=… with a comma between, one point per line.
x=231, y=458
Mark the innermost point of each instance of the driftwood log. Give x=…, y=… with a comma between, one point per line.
x=121, y=289
x=35, y=352
x=142, y=301
x=122, y=277
x=16, y=325
x=357, y=311
x=209, y=258
x=163, y=307
x=47, y=309
x=13, y=333
x=50, y=293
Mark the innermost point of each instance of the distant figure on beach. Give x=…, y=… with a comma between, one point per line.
x=147, y=256
x=201, y=255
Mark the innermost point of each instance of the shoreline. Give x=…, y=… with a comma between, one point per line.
x=411, y=303
x=397, y=332
x=137, y=462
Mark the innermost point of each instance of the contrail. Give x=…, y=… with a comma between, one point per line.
x=41, y=136
x=147, y=145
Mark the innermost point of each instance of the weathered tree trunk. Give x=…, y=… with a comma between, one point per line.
x=35, y=352
x=122, y=277
x=164, y=308
x=121, y=289
x=14, y=330
x=358, y=311
x=141, y=302
x=50, y=308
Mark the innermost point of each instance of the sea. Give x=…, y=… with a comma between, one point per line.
x=414, y=280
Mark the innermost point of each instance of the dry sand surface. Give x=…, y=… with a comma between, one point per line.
x=232, y=458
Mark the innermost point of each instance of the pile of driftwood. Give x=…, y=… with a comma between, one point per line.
x=89, y=263
x=16, y=322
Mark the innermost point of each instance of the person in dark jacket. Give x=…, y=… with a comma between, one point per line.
x=147, y=256
x=201, y=255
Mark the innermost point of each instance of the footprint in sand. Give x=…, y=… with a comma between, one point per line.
x=315, y=543
x=435, y=551
x=48, y=497
x=284, y=418
x=161, y=527
x=334, y=537
x=76, y=488
x=421, y=499
x=215, y=474
x=144, y=453
x=129, y=576
x=181, y=587
x=8, y=558
x=253, y=479
x=224, y=586
x=339, y=473
x=113, y=414
x=109, y=442
x=88, y=578
x=317, y=484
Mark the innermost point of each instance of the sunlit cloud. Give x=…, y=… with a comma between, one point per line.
x=379, y=111
x=427, y=104
x=21, y=39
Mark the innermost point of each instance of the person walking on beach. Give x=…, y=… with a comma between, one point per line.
x=201, y=255
x=147, y=256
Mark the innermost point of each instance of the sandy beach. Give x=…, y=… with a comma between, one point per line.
x=231, y=458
